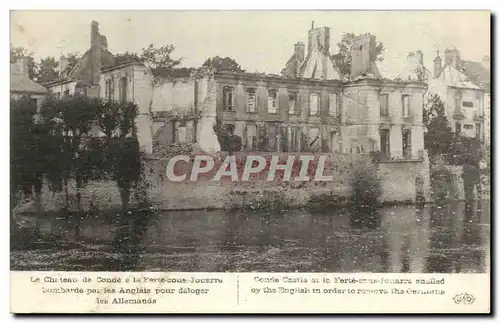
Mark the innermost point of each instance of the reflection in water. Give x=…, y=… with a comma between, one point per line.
x=472, y=236
x=131, y=229
x=459, y=239
x=440, y=238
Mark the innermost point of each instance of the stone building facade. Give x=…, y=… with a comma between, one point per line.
x=307, y=108
x=464, y=87
x=311, y=115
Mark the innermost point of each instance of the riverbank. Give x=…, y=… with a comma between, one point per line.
x=400, y=182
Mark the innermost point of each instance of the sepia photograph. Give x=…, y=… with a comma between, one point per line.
x=250, y=142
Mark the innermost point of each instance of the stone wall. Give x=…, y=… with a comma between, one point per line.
x=398, y=183
x=399, y=180
x=142, y=93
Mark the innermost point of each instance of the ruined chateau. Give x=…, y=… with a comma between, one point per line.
x=308, y=108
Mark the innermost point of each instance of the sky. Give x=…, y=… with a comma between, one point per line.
x=258, y=40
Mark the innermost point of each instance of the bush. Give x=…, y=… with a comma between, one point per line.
x=269, y=201
x=441, y=181
x=376, y=156
x=365, y=186
x=174, y=149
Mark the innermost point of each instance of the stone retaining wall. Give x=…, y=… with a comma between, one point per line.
x=398, y=184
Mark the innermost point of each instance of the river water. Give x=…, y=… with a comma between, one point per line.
x=446, y=239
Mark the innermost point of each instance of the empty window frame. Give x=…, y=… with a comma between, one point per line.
x=313, y=103
x=292, y=103
x=251, y=100
x=228, y=98
x=272, y=101
x=384, y=105
x=333, y=105
x=406, y=106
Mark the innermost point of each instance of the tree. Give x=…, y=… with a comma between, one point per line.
x=47, y=70
x=223, y=64
x=83, y=157
x=72, y=59
x=17, y=53
x=343, y=58
x=467, y=151
x=22, y=147
x=159, y=57
x=57, y=145
x=439, y=139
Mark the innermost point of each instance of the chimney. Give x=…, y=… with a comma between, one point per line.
x=319, y=39
x=452, y=57
x=300, y=50
x=23, y=66
x=438, y=65
x=455, y=59
x=95, y=53
x=447, y=57
x=104, y=43
x=63, y=64
x=363, y=57
x=419, y=57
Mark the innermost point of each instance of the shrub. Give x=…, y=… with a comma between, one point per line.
x=441, y=179
x=174, y=149
x=269, y=201
x=376, y=156
x=365, y=186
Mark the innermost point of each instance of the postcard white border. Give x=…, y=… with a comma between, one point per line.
x=190, y=4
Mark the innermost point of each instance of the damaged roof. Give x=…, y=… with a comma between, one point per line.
x=477, y=74
x=22, y=83
x=453, y=77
